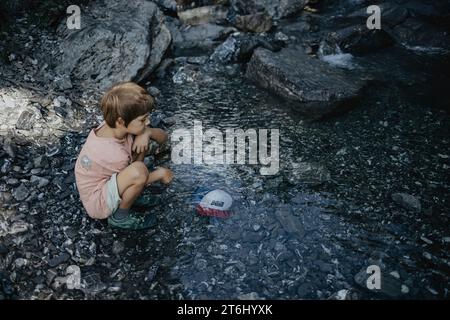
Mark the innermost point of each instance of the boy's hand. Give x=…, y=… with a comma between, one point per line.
x=140, y=144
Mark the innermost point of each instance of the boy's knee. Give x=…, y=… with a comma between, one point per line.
x=139, y=172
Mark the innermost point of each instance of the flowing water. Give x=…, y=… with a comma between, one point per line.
x=290, y=240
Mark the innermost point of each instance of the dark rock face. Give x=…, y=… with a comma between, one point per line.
x=361, y=40
x=196, y=40
x=275, y=8
x=300, y=78
x=118, y=41
x=412, y=23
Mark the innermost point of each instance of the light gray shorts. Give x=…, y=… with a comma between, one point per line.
x=112, y=193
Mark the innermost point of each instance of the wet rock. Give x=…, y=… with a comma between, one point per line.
x=407, y=201
x=254, y=22
x=3, y=249
x=307, y=173
x=289, y=222
x=20, y=262
x=118, y=247
x=196, y=40
x=119, y=41
x=154, y=91
x=249, y=296
x=151, y=274
x=26, y=120
x=202, y=15
x=275, y=8
x=315, y=87
x=40, y=162
x=13, y=182
x=345, y=294
x=167, y=5
x=226, y=51
x=21, y=193
x=59, y=259
x=9, y=149
x=360, y=40
x=247, y=44
x=6, y=286
x=39, y=181
x=305, y=289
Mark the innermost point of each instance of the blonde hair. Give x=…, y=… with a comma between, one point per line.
x=126, y=100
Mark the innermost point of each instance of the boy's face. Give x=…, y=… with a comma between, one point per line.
x=138, y=125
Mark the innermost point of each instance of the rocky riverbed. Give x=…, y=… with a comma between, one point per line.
x=364, y=151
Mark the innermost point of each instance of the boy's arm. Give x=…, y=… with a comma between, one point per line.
x=156, y=134
x=140, y=145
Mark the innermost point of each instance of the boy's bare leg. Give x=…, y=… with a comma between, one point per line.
x=130, y=182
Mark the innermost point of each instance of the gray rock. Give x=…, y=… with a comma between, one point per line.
x=407, y=201
x=39, y=181
x=40, y=162
x=308, y=173
x=360, y=40
x=249, y=296
x=21, y=193
x=290, y=223
x=226, y=51
x=169, y=5
x=315, y=87
x=118, y=247
x=26, y=120
x=345, y=294
x=13, y=182
x=260, y=22
x=56, y=261
x=202, y=15
x=119, y=41
x=275, y=8
x=196, y=40
x=9, y=149
x=154, y=91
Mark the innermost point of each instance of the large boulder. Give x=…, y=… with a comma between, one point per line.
x=277, y=9
x=412, y=23
x=118, y=41
x=314, y=86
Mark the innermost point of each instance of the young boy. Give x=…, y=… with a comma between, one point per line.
x=110, y=172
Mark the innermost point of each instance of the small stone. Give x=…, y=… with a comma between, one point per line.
x=118, y=247
x=152, y=272
x=170, y=121
x=40, y=162
x=258, y=23
x=407, y=201
x=405, y=289
x=20, y=262
x=25, y=121
x=13, y=182
x=63, y=257
x=426, y=240
x=21, y=193
x=249, y=296
x=154, y=92
x=39, y=181
x=256, y=227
